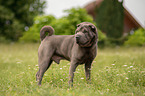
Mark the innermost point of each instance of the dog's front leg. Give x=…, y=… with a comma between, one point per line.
x=72, y=69
x=88, y=71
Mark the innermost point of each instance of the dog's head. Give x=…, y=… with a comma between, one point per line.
x=86, y=34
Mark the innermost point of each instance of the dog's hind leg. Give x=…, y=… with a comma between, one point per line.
x=44, y=60
x=42, y=69
x=38, y=73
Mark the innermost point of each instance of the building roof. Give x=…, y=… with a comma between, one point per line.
x=91, y=10
x=131, y=17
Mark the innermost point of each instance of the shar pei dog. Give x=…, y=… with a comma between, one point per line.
x=80, y=48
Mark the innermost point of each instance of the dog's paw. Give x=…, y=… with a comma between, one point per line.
x=70, y=83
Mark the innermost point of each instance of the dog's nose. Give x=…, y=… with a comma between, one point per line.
x=78, y=37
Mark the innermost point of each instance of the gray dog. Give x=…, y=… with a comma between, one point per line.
x=80, y=48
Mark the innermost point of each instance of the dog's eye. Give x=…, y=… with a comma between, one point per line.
x=85, y=31
x=93, y=28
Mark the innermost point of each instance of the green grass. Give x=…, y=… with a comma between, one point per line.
x=117, y=71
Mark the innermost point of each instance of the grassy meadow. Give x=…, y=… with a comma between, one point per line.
x=115, y=71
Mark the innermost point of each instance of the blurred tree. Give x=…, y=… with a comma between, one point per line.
x=110, y=17
x=17, y=15
x=62, y=26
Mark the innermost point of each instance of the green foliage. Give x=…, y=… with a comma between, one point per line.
x=16, y=15
x=102, y=39
x=110, y=18
x=115, y=72
x=136, y=39
x=33, y=34
x=62, y=26
x=67, y=24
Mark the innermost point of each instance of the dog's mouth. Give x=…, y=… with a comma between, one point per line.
x=88, y=43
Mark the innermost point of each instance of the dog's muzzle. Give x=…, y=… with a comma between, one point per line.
x=88, y=43
x=78, y=38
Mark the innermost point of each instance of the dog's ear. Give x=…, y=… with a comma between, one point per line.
x=78, y=25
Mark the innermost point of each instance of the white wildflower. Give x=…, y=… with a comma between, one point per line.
x=113, y=64
x=126, y=78
x=107, y=89
x=82, y=78
x=61, y=80
x=36, y=65
x=131, y=66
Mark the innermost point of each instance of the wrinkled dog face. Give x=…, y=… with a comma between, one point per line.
x=86, y=34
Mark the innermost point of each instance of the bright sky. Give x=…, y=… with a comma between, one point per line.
x=56, y=7
x=137, y=9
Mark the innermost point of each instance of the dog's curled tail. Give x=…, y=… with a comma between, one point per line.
x=45, y=29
